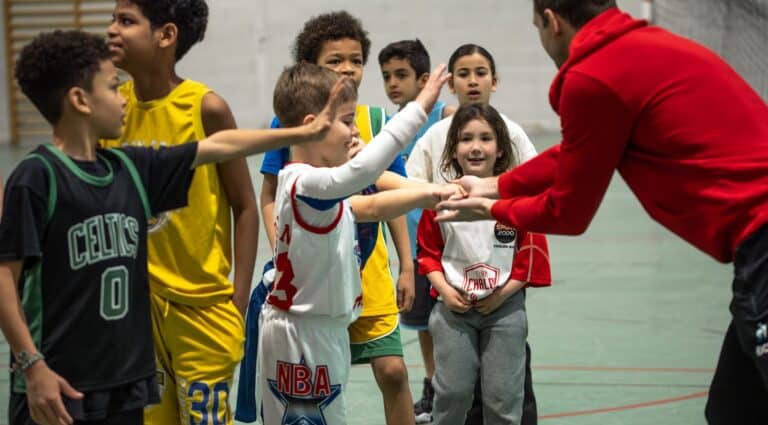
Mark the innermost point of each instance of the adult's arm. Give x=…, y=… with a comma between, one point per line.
x=596, y=127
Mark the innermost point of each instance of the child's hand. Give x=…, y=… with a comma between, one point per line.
x=323, y=121
x=445, y=192
x=467, y=209
x=454, y=300
x=490, y=303
x=405, y=291
x=431, y=91
x=479, y=187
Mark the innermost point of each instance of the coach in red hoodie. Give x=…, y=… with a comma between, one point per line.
x=689, y=137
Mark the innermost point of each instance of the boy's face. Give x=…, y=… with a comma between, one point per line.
x=400, y=81
x=472, y=80
x=343, y=137
x=106, y=103
x=130, y=37
x=344, y=56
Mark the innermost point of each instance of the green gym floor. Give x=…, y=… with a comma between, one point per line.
x=628, y=334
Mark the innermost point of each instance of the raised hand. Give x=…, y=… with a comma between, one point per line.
x=431, y=91
x=339, y=94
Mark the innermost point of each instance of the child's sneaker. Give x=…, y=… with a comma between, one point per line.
x=422, y=409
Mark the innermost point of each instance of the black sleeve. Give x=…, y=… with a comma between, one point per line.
x=166, y=173
x=25, y=208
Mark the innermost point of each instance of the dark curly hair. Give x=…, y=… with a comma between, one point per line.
x=411, y=50
x=190, y=16
x=329, y=27
x=56, y=61
x=303, y=89
x=449, y=166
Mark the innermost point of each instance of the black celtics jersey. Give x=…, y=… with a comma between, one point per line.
x=81, y=230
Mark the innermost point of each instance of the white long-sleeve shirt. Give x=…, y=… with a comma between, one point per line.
x=316, y=247
x=424, y=162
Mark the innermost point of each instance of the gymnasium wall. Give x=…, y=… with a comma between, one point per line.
x=248, y=43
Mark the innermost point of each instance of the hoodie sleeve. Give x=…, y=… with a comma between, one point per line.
x=596, y=126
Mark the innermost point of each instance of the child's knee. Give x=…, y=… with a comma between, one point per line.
x=390, y=371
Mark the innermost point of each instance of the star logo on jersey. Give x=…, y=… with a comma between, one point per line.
x=304, y=393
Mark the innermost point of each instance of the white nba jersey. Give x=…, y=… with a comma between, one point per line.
x=317, y=259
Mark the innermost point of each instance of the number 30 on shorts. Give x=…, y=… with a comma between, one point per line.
x=200, y=394
x=114, y=293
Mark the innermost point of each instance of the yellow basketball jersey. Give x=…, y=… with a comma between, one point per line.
x=378, y=287
x=189, y=250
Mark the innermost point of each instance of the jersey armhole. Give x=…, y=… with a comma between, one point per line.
x=129, y=165
x=377, y=120
x=307, y=226
x=52, y=190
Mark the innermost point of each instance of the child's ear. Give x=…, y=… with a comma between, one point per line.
x=422, y=80
x=77, y=98
x=450, y=85
x=168, y=34
x=495, y=82
x=309, y=118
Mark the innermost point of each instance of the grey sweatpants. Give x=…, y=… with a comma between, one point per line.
x=492, y=345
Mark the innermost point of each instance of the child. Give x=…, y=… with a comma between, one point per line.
x=479, y=269
x=405, y=69
x=473, y=80
x=73, y=238
x=197, y=312
x=338, y=41
x=303, y=339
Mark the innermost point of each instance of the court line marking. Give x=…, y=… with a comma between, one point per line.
x=626, y=407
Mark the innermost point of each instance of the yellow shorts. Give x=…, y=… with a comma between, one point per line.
x=371, y=328
x=197, y=349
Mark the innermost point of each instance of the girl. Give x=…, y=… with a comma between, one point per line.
x=479, y=327
x=473, y=81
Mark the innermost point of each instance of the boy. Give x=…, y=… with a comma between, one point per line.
x=338, y=41
x=73, y=237
x=197, y=312
x=304, y=357
x=405, y=69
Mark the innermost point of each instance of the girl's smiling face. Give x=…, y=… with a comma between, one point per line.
x=477, y=149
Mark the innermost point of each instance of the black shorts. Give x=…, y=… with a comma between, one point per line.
x=418, y=317
x=739, y=388
x=122, y=405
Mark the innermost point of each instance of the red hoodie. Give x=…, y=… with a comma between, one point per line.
x=686, y=133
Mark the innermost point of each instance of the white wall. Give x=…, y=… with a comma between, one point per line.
x=267, y=29
x=248, y=43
